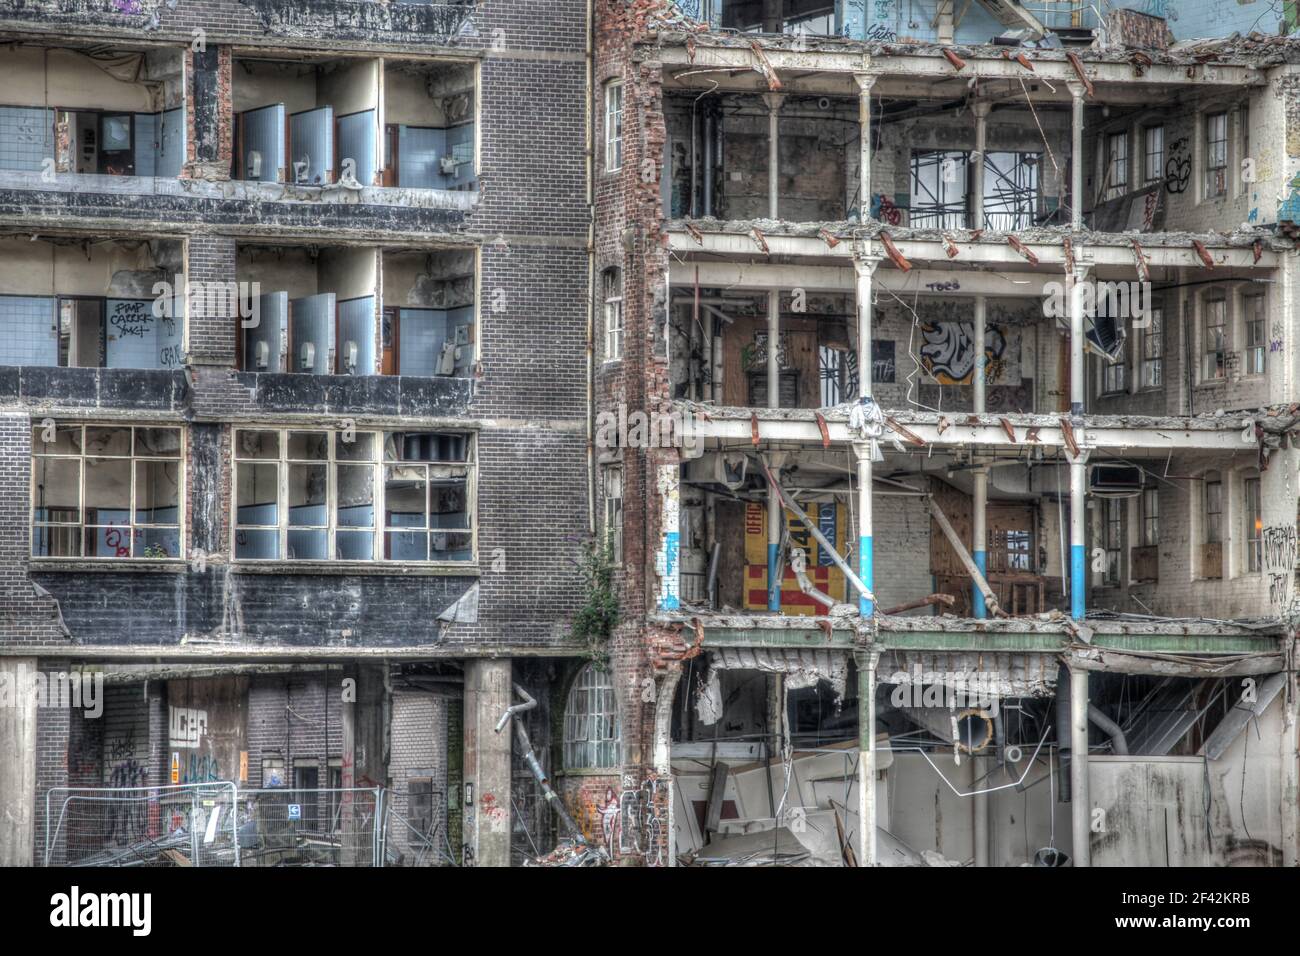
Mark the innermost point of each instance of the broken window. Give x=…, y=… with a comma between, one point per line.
x=1255, y=341
x=613, y=291
x=90, y=332
x=939, y=188
x=1114, y=538
x=1216, y=155
x=1152, y=341
x=272, y=770
x=1112, y=375
x=1116, y=175
x=1254, y=525
x=1153, y=154
x=591, y=726
x=306, y=785
x=102, y=491
x=1216, y=320
x=316, y=495
x=614, y=512
x=1010, y=191
x=419, y=805
x=613, y=125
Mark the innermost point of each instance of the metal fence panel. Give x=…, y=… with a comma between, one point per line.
x=181, y=825
x=320, y=827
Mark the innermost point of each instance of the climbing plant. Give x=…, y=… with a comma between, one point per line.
x=595, y=621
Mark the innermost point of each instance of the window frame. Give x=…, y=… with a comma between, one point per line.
x=1152, y=374
x=1149, y=516
x=1114, y=540
x=611, y=481
x=1254, y=313
x=135, y=459
x=1215, y=303
x=379, y=462
x=1153, y=157
x=592, y=688
x=1216, y=148
x=1212, y=508
x=613, y=300
x=1116, y=163
x=943, y=212
x=613, y=125
x=1253, y=513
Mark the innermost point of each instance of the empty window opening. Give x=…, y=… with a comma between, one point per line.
x=1011, y=190
x=390, y=496
x=429, y=323
x=1152, y=349
x=312, y=121
x=106, y=492
x=120, y=113
x=429, y=130
x=940, y=186
x=315, y=310
x=62, y=313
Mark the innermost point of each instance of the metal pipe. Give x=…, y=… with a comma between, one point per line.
x=866, y=663
x=707, y=165
x=1118, y=743
x=1076, y=157
x=773, y=101
x=964, y=556
x=1063, y=747
x=981, y=110
x=515, y=712
x=865, y=82
x=713, y=574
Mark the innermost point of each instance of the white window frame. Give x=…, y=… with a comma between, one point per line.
x=81, y=456
x=612, y=487
x=1254, y=317
x=592, y=731
x=1149, y=516
x=1153, y=160
x=612, y=293
x=1253, y=513
x=1116, y=163
x=379, y=462
x=1151, y=357
x=613, y=126
x=1216, y=159
x=1208, y=304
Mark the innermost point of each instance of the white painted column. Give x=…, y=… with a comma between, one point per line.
x=1078, y=465
x=775, y=513
x=866, y=664
x=864, y=268
x=1076, y=156
x=981, y=109
x=865, y=82
x=773, y=101
x=1080, y=800
x=980, y=504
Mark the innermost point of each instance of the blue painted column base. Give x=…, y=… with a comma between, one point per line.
x=773, y=585
x=977, y=596
x=866, y=572
x=1078, y=593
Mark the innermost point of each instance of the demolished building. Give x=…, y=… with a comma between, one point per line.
x=804, y=433
x=976, y=546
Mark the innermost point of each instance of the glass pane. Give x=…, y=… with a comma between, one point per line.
x=309, y=446
x=355, y=545
x=356, y=496
x=451, y=546
x=65, y=440
x=405, y=497
x=308, y=493
x=108, y=441
x=158, y=543
x=406, y=546
x=108, y=542
x=253, y=545
x=108, y=491
x=309, y=545
x=447, y=503
x=257, y=444
x=158, y=442
x=257, y=500
x=50, y=542
x=157, y=492
x=362, y=449
x=57, y=483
